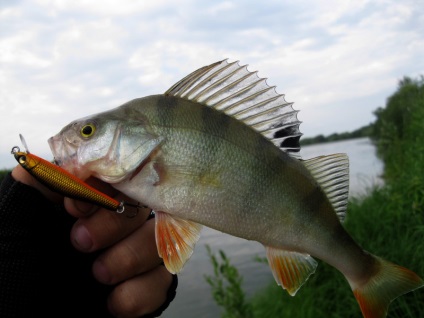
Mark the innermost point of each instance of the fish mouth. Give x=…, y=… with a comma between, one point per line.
x=64, y=155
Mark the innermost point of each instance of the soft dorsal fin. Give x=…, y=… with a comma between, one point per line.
x=232, y=89
x=332, y=174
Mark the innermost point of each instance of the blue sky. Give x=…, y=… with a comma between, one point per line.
x=336, y=60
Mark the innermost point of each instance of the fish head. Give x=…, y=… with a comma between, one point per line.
x=107, y=146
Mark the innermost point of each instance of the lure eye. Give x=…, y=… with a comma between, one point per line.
x=88, y=130
x=22, y=160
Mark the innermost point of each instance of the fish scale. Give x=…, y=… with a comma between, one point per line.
x=220, y=149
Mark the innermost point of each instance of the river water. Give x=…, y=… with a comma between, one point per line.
x=194, y=297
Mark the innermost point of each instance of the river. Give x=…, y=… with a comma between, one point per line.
x=194, y=298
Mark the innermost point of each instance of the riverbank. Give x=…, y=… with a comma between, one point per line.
x=382, y=223
x=365, y=131
x=389, y=222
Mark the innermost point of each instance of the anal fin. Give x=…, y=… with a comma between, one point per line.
x=175, y=240
x=290, y=269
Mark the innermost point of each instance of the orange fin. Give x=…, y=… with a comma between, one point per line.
x=175, y=240
x=290, y=269
x=389, y=282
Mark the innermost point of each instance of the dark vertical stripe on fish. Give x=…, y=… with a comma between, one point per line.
x=315, y=200
x=252, y=192
x=216, y=146
x=166, y=108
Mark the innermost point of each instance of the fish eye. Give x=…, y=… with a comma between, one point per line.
x=88, y=130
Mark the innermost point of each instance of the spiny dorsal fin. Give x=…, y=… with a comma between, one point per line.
x=332, y=174
x=232, y=89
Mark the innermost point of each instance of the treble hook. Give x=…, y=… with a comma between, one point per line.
x=137, y=206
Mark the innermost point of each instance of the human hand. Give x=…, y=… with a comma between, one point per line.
x=21, y=175
x=129, y=258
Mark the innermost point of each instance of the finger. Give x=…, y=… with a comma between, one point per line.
x=104, y=228
x=21, y=175
x=79, y=208
x=134, y=255
x=141, y=295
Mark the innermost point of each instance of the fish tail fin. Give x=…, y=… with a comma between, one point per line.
x=388, y=282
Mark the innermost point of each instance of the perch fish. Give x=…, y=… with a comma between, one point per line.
x=220, y=149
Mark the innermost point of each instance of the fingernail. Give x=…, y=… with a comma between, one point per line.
x=83, y=238
x=101, y=272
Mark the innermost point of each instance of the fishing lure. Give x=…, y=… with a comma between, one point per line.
x=59, y=180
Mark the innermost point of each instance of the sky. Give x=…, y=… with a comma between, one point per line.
x=337, y=61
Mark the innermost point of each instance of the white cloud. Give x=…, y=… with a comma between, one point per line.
x=66, y=59
x=103, y=8
x=89, y=40
x=12, y=52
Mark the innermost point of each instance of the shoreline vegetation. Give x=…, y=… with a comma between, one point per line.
x=388, y=222
x=365, y=131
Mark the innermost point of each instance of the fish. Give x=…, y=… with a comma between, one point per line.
x=61, y=181
x=220, y=148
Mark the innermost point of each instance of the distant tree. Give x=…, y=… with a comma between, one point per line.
x=398, y=125
x=393, y=121
x=364, y=131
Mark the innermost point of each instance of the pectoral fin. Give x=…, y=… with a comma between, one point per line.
x=175, y=240
x=290, y=269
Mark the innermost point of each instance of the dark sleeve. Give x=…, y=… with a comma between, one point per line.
x=40, y=271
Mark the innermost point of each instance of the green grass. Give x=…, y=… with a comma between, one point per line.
x=383, y=227
x=388, y=223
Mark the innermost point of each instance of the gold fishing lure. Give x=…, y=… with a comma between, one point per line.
x=59, y=180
